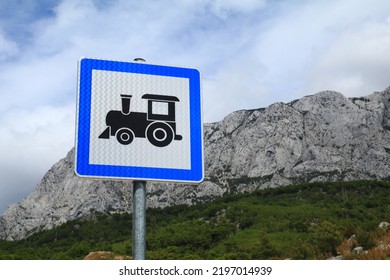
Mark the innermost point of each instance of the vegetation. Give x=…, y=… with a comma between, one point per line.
x=306, y=221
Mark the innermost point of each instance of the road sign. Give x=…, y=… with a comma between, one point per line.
x=138, y=121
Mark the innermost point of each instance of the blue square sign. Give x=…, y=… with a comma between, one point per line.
x=138, y=121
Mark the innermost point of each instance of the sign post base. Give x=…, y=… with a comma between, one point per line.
x=139, y=220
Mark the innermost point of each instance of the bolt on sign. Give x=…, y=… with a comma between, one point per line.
x=138, y=121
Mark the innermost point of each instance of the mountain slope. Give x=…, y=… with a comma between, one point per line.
x=323, y=137
x=343, y=220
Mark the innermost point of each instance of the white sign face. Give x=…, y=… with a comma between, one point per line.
x=139, y=121
x=140, y=152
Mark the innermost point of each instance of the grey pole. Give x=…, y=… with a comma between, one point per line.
x=139, y=220
x=139, y=215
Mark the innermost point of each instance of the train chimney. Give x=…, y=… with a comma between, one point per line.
x=125, y=104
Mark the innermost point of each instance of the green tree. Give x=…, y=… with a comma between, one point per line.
x=264, y=249
x=78, y=250
x=327, y=236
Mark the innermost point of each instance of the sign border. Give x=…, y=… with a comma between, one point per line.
x=83, y=123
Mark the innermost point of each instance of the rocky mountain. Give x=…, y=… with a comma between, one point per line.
x=322, y=137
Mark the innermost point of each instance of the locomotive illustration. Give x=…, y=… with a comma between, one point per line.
x=158, y=124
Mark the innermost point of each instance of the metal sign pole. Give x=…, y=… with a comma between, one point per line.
x=139, y=215
x=139, y=220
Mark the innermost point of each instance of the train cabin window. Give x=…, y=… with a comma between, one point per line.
x=159, y=108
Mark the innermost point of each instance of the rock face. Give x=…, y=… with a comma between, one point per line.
x=322, y=137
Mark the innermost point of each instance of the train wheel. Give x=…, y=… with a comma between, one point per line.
x=159, y=134
x=125, y=136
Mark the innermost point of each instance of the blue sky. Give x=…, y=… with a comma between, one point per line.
x=251, y=53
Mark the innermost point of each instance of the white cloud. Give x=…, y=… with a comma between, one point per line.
x=224, y=8
x=242, y=87
x=356, y=63
x=297, y=41
x=29, y=134
x=8, y=48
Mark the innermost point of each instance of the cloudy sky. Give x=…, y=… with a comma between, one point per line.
x=251, y=53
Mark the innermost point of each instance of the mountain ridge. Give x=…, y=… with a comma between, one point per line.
x=321, y=137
